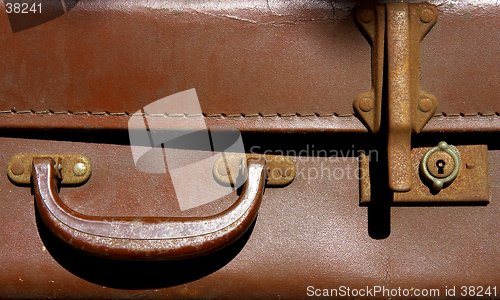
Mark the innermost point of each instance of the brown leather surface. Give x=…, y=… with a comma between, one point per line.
x=310, y=233
x=293, y=57
x=293, y=66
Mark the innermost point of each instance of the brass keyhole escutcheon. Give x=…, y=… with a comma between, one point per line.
x=440, y=165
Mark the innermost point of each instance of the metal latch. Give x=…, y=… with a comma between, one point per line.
x=438, y=177
x=402, y=26
x=396, y=106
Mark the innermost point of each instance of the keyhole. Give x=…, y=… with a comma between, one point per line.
x=440, y=165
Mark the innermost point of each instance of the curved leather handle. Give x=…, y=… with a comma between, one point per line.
x=146, y=238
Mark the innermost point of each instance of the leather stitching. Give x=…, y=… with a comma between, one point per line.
x=221, y=115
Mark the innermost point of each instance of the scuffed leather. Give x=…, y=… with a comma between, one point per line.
x=259, y=57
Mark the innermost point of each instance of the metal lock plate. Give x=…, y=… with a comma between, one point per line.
x=74, y=169
x=396, y=106
x=280, y=170
x=471, y=186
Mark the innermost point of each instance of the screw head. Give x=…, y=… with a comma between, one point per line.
x=285, y=171
x=425, y=105
x=222, y=169
x=17, y=169
x=366, y=16
x=426, y=15
x=79, y=169
x=366, y=104
x=276, y=173
x=440, y=164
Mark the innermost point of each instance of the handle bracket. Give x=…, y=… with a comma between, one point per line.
x=71, y=169
x=280, y=170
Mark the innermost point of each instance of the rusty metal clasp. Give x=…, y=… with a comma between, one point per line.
x=466, y=174
x=396, y=105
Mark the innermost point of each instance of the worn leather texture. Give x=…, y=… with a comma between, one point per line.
x=294, y=66
x=297, y=58
x=273, y=70
x=310, y=233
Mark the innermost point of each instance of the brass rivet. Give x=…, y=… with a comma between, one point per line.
x=470, y=166
x=79, y=169
x=276, y=173
x=366, y=104
x=286, y=172
x=425, y=105
x=426, y=15
x=366, y=16
x=17, y=169
x=222, y=169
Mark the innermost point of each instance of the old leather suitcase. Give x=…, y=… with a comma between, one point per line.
x=88, y=87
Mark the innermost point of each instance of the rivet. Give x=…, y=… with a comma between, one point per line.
x=366, y=16
x=276, y=173
x=17, y=169
x=286, y=171
x=425, y=104
x=470, y=166
x=222, y=169
x=366, y=104
x=79, y=169
x=426, y=15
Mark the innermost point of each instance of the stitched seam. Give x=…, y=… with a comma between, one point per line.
x=222, y=115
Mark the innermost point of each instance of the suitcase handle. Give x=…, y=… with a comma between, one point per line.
x=146, y=238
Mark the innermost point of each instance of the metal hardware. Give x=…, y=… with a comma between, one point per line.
x=280, y=170
x=79, y=169
x=471, y=185
x=402, y=26
x=440, y=165
x=396, y=106
x=72, y=169
x=145, y=238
